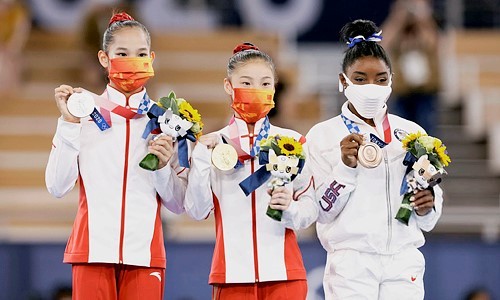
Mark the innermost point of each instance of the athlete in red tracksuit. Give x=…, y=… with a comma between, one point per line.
x=255, y=257
x=116, y=247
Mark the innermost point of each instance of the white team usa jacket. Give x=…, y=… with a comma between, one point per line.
x=250, y=246
x=118, y=218
x=357, y=206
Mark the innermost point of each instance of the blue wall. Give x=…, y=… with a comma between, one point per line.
x=32, y=271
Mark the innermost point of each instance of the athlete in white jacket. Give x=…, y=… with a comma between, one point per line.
x=255, y=257
x=371, y=255
x=118, y=219
x=116, y=247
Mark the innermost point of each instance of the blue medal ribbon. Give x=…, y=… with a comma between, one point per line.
x=144, y=106
x=99, y=120
x=353, y=128
x=263, y=134
x=376, y=140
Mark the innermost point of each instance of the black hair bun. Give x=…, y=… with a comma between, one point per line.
x=358, y=27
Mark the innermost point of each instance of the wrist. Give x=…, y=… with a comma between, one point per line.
x=423, y=213
x=70, y=119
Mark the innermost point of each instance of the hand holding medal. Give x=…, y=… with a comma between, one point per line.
x=357, y=148
x=80, y=105
x=224, y=157
x=369, y=154
x=62, y=95
x=349, y=148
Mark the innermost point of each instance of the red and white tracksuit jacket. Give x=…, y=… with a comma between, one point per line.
x=118, y=218
x=250, y=246
x=358, y=205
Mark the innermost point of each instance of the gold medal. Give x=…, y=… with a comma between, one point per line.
x=369, y=155
x=80, y=105
x=224, y=157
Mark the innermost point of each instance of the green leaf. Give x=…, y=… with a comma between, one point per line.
x=165, y=102
x=170, y=102
x=435, y=161
x=275, y=147
x=420, y=150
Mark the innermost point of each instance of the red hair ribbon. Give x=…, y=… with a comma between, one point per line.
x=244, y=47
x=120, y=17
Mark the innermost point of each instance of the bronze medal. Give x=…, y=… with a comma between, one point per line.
x=369, y=155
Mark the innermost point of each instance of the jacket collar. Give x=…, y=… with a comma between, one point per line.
x=379, y=118
x=117, y=97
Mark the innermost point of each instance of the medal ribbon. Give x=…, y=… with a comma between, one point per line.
x=127, y=113
x=353, y=128
x=234, y=136
x=102, y=118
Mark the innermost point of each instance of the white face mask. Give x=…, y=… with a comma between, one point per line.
x=368, y=99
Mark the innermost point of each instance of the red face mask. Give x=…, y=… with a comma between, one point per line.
x=252, y=104
x=130, y=73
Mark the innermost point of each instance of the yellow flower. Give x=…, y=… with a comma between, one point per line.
x=443, y=157
x=197, y=129
x=188, y=112
x=411, y=138
x=289, y=146
x=437, y=143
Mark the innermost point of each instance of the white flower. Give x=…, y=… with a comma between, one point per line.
x=427, y=142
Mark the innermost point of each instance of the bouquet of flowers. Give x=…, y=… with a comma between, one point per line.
x=283, y=158
x=425, y=159
x=174, y=117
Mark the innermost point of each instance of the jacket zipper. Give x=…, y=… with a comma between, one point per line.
x=388, y=197
x=124, y=189
x=254, y=221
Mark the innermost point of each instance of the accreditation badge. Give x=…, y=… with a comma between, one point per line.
x=81, y=105
x=224, y=157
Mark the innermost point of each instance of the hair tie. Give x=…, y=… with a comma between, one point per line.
x=376, y=37
x=245, y=47
x=120, y=17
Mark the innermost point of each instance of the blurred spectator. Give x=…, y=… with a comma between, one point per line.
x=14, y=32
x=94, y=25
x=411, y=38
x=228, y=13
x=478, y=294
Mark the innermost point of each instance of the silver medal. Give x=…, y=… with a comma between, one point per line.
x=80, y=105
